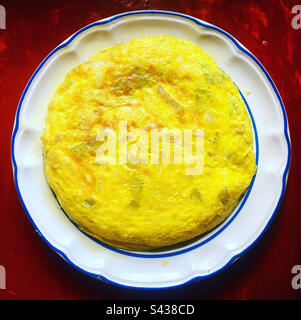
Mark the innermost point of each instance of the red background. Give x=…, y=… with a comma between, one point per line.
x=34, y=28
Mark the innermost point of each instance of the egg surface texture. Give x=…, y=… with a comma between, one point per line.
x=151, y=83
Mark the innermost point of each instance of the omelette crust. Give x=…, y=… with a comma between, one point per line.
x=152, y=82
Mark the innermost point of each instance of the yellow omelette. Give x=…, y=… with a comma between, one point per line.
x=150, y=83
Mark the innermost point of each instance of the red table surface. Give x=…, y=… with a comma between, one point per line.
x=33, y=29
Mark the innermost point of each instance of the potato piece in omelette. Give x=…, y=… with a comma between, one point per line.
x=151, y=83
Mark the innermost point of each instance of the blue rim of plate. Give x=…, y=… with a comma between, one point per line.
x=286, y=134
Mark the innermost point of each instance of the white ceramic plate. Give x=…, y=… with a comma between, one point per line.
x=184, y=263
